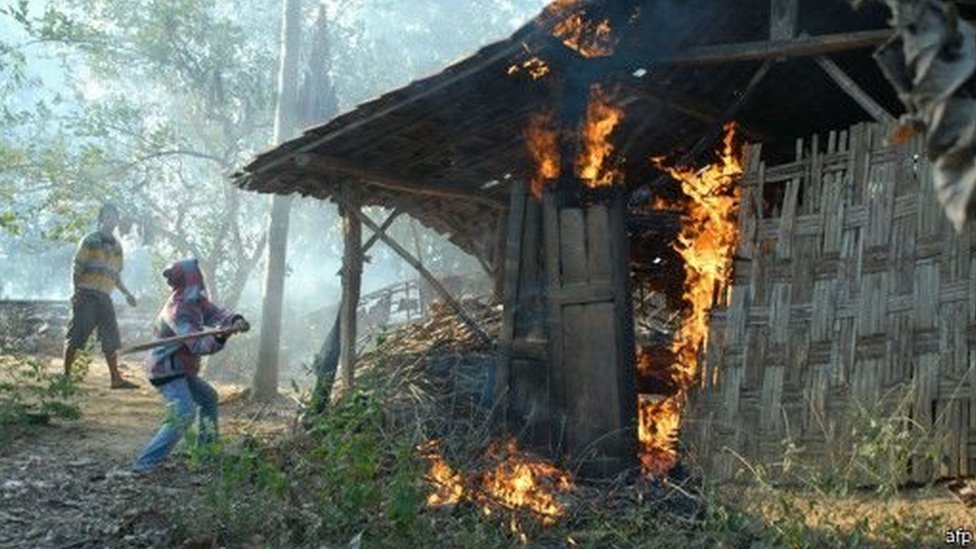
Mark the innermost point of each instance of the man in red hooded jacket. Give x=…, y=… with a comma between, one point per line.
x=173, y=369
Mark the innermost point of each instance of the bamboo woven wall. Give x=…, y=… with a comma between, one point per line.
x=852, y=299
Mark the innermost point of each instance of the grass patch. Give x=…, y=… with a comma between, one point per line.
x=31, y=396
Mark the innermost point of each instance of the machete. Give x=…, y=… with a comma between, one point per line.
x=167, y=340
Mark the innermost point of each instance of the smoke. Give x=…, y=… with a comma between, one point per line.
x=33, y=267
x=34, y=270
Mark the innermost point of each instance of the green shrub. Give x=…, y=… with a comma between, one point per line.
x=30, y=395
x=243, y=496
x=369, y=479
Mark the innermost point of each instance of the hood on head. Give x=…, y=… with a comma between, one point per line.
x=186, y=279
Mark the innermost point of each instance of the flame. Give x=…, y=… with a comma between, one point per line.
x=589, y=38
x=658, y=422
x=706, y=243
x=521, y=482
x=601, y=119
x=535, y=67
x=512, y=480
x=447, y=485
x=542, y=140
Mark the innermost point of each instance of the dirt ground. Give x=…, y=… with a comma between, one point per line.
x=67, y=485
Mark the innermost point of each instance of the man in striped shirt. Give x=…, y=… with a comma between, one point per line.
x=98, y=262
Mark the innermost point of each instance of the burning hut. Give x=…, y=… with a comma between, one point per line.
x=812, y=270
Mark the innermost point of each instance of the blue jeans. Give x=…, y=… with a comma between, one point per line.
x=182, y=395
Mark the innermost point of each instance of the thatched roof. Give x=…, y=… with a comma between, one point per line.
x=444, y=148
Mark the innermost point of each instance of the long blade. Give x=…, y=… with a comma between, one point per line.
x=175, y=339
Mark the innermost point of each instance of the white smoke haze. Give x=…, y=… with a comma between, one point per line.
x=377, y=46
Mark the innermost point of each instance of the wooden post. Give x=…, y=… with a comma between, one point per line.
x=352, y=270
x=500, y=258
x=513, y=260
x=557, y=376
x=421, y=304
x=619, y=247
x=328, y=356
x=591, y=400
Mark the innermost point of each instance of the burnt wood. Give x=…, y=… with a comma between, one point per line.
x=513, y=260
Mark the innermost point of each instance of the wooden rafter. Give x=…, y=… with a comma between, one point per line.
x=777, y=49
x=674, y=101
x=376, y=178
x=856, y=93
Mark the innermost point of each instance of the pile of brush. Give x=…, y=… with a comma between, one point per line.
x=436, y=367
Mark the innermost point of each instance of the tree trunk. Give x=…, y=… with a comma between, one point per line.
x=327, y=360
x=247, y=263
x=319, y=103
x=352, y=270
x=265, y=384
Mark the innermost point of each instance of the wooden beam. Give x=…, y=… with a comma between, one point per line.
x=856, y=93
x=513, y=263
x=374, y=238
x=352, y=271
x=386, y=225
x=416, y=264
x=777, y=49
x=371, y=177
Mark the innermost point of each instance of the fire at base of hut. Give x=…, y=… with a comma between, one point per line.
x=506, y=480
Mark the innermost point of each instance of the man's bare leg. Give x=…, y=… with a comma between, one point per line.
x=118, y=382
